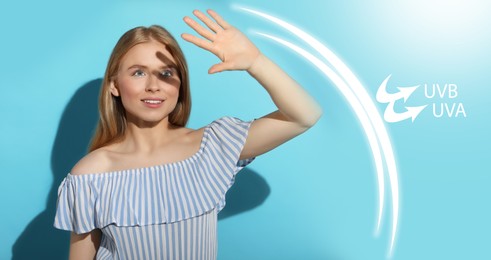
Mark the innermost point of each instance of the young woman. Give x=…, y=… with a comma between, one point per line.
x=151, y=188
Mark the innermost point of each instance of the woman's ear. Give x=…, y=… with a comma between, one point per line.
x=113, y=88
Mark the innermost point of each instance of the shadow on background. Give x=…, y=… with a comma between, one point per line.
x=40, y=240
x=249, y=191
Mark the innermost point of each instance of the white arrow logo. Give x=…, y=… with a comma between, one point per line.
x=404, y=92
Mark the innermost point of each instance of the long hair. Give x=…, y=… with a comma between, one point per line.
x=112, y=117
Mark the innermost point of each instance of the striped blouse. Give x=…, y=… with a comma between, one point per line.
x=166, y=211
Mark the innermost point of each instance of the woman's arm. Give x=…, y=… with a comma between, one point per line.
x=297, y=110
x=84, y=246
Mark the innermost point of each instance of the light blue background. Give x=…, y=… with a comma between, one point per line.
x=323, y=198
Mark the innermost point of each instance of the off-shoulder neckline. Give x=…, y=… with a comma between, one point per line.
x=152, y=167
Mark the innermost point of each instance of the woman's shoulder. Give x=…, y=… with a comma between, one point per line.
x=113, y=158
x=96, y=161
x=187, y=141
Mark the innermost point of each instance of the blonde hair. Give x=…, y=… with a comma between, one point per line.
x=112, y=117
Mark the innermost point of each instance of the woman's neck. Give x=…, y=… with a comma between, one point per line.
x=146, y=137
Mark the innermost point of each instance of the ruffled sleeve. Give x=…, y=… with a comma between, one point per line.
x=75, y=206
x=227, y=137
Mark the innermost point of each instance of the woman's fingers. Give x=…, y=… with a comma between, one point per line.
x=206, y=20
x=215, y=27
x=219, y=67
x=222, y=39
x=202, y=43
x=219, y=19
x=199, y=29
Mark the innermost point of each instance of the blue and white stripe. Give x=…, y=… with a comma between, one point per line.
x=167, y=211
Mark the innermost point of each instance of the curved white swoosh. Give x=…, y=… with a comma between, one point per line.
x=367, y=105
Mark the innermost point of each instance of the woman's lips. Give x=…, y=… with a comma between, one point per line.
x=150, y=101
x=153, y=103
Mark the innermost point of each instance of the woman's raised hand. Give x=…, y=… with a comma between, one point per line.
x=230, y=45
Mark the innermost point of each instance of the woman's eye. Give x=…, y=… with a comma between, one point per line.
x=138, y=73
x=166, y=73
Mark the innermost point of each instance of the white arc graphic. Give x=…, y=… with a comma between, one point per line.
x=404, y=93
x=363, y=106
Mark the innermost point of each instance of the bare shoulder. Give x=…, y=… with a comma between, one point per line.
x=97, y=161
x=192, y=135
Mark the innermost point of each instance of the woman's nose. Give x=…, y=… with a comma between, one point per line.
x=152, y=84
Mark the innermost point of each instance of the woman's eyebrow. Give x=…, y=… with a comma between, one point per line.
x=164, y=66
x=137, y=66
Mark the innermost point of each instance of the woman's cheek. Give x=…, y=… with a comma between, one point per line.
x=172, y=89
x=131, y=87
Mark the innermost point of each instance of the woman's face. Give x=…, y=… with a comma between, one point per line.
x=148, y=83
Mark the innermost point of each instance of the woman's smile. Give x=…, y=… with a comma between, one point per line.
x=153, y=102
